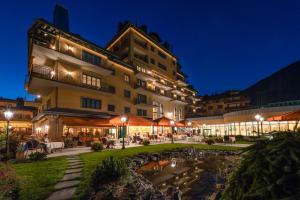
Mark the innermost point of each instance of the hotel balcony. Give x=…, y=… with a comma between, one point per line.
x=163, y=84
x=179, y=100
x=44, y=78
x=180, y=80
x=145, y=75
x=179, y=91
x=162, y=96
x=73, y=55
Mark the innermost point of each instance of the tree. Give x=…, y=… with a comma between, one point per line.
x=270, y=169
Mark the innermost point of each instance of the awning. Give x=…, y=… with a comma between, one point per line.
x=291, y=116
x=88, y=122
x=164, y=121
x=186, y=123
x=132, y=120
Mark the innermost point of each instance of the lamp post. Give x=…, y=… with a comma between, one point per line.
x=123, y=120
x=189, y=126
x=172, y=125
x=258, y=118
x=8, y=116
x=261, y=119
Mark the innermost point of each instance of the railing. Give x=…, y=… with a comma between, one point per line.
x=45, y=73
x=141, y=44
x=94, y=59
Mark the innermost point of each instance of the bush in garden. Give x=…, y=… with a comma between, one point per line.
x=8, y=182
x=96, y=146
x=36, y=156
x=270, y=169
x=109, y=170
x=210, y=141
x=146, y=142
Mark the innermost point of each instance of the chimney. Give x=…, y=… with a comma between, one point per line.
x=61, y=18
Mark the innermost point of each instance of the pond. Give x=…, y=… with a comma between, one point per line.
x=198, y=177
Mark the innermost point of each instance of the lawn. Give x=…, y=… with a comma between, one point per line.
x=37, y=179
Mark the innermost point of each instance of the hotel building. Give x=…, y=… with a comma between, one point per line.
x=80, y=82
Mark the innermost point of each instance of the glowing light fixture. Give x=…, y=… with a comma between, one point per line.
x=173, y=162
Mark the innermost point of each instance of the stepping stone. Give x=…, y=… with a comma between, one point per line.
x=78, y=166
x=63, y=194
x=72, y=176
x=75, y=163
x=69, y=171
x=73, y=159
x=66, y=184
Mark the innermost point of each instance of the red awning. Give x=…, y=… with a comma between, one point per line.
x=132, y=120
x=164, y=121
x=92, y=122
x=186, y=123
x=291, y=116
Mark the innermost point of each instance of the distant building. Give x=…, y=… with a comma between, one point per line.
x=219, y=104
x=24, y=111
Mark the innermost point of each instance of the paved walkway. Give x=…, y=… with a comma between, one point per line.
x=80, y=150
x=67, y=186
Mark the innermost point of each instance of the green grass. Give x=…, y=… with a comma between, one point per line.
x=91, y=160
x=37, y=179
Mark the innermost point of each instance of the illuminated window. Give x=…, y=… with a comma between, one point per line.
x=90, y=80
x=126, y=78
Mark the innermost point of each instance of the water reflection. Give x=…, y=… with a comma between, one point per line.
x=195, y=178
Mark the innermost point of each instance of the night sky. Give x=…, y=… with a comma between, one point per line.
x=221, y=45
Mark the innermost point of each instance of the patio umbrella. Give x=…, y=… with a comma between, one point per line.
x=291, y=116
x=132, y=120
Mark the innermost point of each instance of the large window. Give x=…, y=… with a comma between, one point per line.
x=91, y=58
x=90, y=103
x=126, y=110
x=111, y=107
x=126, y=78
x=162, y=66
x=90, y=80
x=141, y=112
x=161, y=54
x=127, y=93
x=142, y=98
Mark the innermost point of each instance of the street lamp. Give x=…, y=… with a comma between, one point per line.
x=261, y=119
x=258, y=118
x=123, y=120
x=189, y=126
x=172, y=124
x=8, y=116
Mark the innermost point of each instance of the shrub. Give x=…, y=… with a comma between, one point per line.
x=146, y=142
x=68, y=143
x=96, y=146
x=8, y=182
x=109, y=170
x=37, y=156
x=219, y=140
x=210, y=141
x=269, y=170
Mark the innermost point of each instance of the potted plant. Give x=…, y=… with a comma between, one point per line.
x=20, y=152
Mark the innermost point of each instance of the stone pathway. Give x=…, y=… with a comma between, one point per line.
x=67, y=186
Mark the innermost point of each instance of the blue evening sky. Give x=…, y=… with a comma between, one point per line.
x=221, y=44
